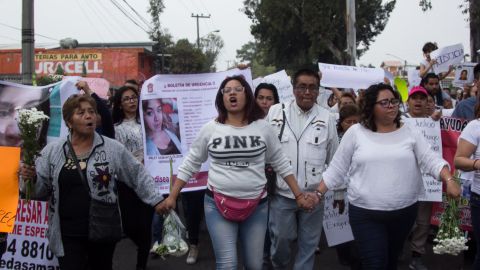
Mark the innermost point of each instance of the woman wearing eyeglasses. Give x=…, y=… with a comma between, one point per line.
x=239, y=143
x=383, y=158
x=160, y=137
x=136, y=215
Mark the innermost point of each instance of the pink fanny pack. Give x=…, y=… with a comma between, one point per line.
x=235, y=209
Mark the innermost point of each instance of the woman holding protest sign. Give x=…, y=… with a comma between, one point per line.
x=238, y=143
x=467, y=158
x=383, y=158
x=136, y=215
x=78, y=173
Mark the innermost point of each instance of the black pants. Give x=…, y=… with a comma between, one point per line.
x=193, y=204
x=380, y=234
x=81, y=254
x=137, y=222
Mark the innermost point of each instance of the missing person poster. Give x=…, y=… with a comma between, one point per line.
x=173, y=109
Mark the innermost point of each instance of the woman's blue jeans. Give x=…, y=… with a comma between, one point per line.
x=225, y=234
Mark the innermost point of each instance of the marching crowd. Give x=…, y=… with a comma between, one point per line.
x=271, y=165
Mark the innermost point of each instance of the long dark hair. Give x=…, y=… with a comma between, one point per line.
x=271, y=87
x=117, y=113
x=252, y=111
x=368, y=102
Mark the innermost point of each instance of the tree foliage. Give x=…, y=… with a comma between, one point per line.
x=295, y=33
x=211, y=46
x=253, y=57
x=472, y=8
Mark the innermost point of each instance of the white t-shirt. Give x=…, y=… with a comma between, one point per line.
x=384, y=168
x=471, y=134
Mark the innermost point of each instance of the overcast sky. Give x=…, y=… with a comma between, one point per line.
x=100, y=21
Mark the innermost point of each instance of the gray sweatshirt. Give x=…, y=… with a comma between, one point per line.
x=107, y=161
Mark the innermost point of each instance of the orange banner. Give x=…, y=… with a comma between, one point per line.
x=10, y=160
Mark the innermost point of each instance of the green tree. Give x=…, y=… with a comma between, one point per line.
x=297, y=33
x=251, y=55
x=211, y=46
x=472, y=8
x=59, y=70
x=187, y=58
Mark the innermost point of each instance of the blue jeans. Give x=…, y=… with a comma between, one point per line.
x=225, y=234
x=475, y=213
x=288, y=223
x=380, y=234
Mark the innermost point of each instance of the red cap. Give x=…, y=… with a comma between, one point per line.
x=417, y=89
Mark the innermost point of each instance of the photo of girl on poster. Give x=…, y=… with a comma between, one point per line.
x=16, y=96
x=162, y=134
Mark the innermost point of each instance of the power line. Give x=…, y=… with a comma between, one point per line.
x=138, y=14
x=102, y=19
x=36, y=34
x=89, y=21
x=120, y=23
x=128, y=15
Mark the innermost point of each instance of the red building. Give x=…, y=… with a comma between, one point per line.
x=115, y=62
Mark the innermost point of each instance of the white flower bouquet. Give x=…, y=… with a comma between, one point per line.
x=173, y=242
x=29, y=122
x=450, y=239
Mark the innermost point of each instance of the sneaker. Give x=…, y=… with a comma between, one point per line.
x=192, y=254
x=154, y=247
x=417, y=264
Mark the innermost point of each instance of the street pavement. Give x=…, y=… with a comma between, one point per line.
x=125, y=258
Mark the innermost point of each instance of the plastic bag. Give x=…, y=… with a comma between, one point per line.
x=173, y=241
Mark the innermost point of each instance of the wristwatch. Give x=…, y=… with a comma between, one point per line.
x=320, y=195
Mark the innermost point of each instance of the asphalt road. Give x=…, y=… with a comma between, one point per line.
x=125, y=258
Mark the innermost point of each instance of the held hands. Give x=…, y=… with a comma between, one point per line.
x=307, y=201
x=166, y=205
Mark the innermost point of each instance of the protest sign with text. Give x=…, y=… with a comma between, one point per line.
x=431, y=132
x=27, y=245
x=10, y=157
x=282, y=82
x=337, y=226
x=173, y=110
x=446, y=57
x=349, y=76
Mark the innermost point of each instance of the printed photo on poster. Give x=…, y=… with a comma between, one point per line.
x=14, y=97
x=162, y=132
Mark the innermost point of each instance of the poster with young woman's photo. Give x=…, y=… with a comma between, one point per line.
x=162, y=133
x=16, y=96
x=173, y=109
x=463, y=74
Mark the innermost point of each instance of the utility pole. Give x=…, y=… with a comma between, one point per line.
x=351, y=33
x=28, y=42
x=198, y=16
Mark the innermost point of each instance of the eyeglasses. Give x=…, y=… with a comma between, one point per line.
x=228, y=90
x=385, y=103
x=128, y=99
x=303, y=88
